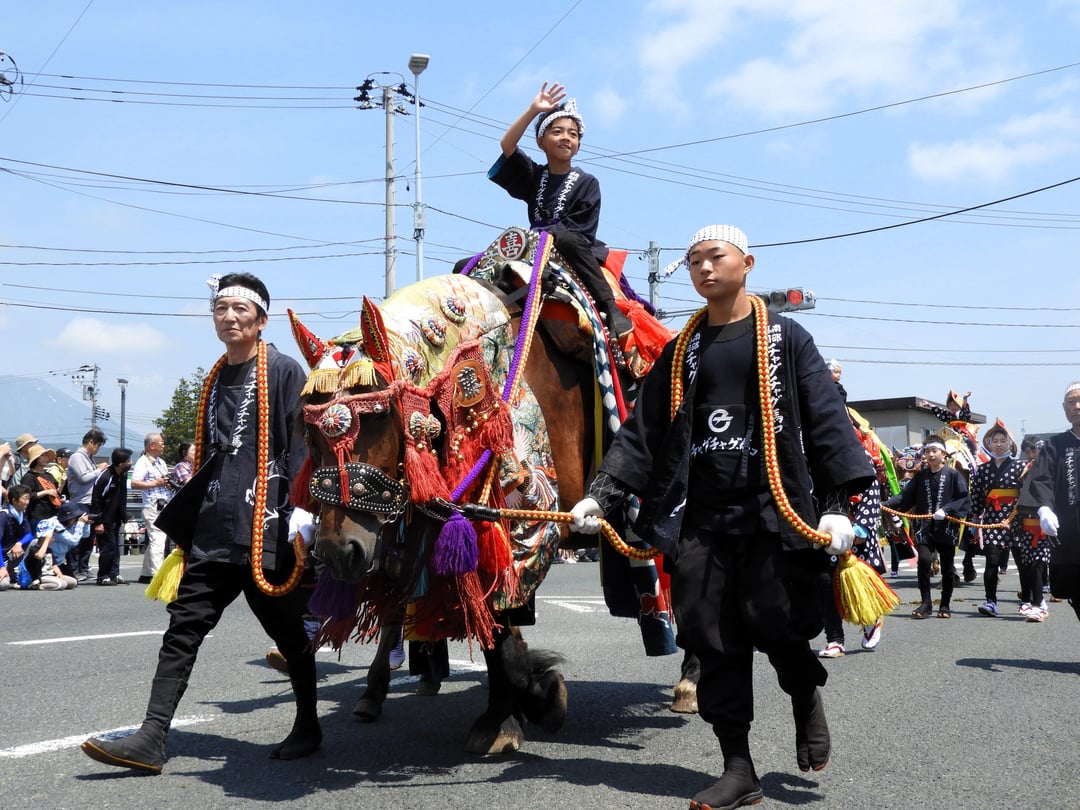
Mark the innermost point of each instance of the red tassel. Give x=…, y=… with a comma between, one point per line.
x=422, y=471
x=494, y=549
x=497, y=432
x=299, y=494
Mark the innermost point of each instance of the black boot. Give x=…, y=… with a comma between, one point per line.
x=812, y=742
x=306, y=735
x=738, y=786
x=145, y=749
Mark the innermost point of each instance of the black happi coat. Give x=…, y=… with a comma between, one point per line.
x=916, y=498
x=575, y=211
x=221, y=493
x=820, y=458
x=1054, y=481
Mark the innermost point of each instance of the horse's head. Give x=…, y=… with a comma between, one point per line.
x=353, y=429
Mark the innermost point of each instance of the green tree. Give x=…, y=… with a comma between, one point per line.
x=177, y=422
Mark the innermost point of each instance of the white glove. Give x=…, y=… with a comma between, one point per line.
x=839, y=527
x=939, y=514
x=586, y=514
x=1048, y=521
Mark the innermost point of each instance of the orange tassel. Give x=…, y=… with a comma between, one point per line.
x=299, y=494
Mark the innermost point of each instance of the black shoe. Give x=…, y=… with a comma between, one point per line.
x=738, y=787
x=106, y=581
x=144, y=750
x=813, y=745
x=145, y=580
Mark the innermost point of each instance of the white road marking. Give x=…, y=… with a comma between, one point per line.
x=66, y=639
x=578, y=605
x=31, y=749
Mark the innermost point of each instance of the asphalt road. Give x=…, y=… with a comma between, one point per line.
x=967, y=713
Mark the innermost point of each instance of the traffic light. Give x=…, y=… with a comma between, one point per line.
x=790, y=300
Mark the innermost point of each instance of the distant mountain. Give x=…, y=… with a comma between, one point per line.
x=56, y=418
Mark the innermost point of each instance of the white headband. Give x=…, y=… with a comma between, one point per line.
x=722, y=233
x=567, y=110
x=234, y=292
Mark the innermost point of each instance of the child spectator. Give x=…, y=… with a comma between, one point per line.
x=56, y=536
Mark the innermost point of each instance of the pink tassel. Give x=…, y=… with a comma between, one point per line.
x=455, y=551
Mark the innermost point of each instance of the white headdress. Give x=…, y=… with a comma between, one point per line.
x=235, y=291
x=723, y=233
x=567, y=109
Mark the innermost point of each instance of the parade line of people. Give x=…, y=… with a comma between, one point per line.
x=733, y=490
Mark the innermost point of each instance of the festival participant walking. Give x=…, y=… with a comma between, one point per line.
x=1052, y=491
x=938, y=491
x=232, y=519
x=562, y=199
x=995, y=488
x=694, y=449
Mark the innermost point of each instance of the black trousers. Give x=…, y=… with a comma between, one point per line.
x=108, y=543
x=995, y=556
x=207, y=588
x=946, y=556
x=734, y=593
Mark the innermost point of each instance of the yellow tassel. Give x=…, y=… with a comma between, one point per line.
x=166, y=582
x=862, y=596
x=362, y=372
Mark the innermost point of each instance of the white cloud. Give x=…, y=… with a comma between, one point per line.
x=1019, y=143
x=824, y=54
x=608, y=105
x=92, y=335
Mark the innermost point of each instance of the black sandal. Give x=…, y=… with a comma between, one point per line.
x=921, y=612
x=944, y=614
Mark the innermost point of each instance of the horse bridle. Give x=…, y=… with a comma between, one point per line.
x=354, y=485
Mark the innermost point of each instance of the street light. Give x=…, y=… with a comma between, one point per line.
x=123, y=408
x=418, y=62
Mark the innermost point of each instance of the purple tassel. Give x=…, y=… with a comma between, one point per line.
x=333, y=599
x=455, y=551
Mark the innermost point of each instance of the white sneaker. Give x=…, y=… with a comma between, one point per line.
x=834, y=649
x=871, y=635
x=988, y=609
x=397, y=654
x=1024, y=609
x=1036, y=614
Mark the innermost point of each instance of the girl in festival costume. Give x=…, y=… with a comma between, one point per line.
x=562, y=199
x=694, y=449
x=940, y=492
x=995, y=488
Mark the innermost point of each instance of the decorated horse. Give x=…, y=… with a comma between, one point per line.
x=445, y=433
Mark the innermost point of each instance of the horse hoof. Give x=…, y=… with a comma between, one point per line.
x=506, y=739
x=428, y=688
x=367, y=710
x=555, y=706
x=685, y=698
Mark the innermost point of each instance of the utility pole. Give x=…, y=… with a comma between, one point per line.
x=90, y=391
x=418, y=62
x=654, y=276
x=388, y=107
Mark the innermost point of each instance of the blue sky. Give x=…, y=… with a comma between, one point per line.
x=152, y=144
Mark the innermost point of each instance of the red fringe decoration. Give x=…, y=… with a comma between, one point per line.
x=425, y=479
x=299, y=494
x=497, y=433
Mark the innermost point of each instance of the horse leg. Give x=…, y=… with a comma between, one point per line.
x=431, y=660
x=686, y=689
x=522, y=685
x=370, y=704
